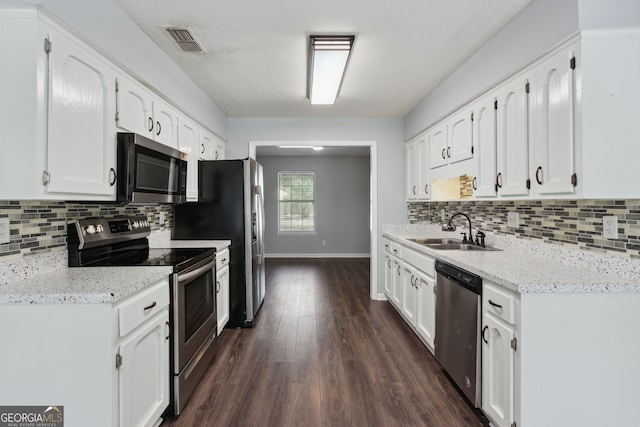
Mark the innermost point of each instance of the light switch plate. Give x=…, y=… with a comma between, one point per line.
x=610, y=227
x=161, y=219
x=513, y=219
x=5, y=230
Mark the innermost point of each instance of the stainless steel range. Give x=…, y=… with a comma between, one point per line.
x=123, y=242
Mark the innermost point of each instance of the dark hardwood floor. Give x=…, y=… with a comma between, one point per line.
x=323, y=354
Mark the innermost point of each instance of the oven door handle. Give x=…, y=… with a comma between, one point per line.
x=183, y=277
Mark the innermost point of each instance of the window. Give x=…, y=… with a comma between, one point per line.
x=296, y=204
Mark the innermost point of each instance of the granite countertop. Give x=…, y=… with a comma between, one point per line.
x=530, y=271
x=90, y=285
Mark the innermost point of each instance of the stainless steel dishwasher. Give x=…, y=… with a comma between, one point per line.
x=457, y=340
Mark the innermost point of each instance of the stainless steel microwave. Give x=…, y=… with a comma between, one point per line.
x=150, y=172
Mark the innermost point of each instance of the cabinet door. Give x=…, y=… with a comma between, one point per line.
x=207, y=146
x=497, y=371
x=484, y=136
x=388, y=276
x=144, y=374
x=426, y=311
x=81, y=150
x=422, y=167
x=460, y=145
x=396, y=296
x=410, y=168
x=409, y=292
x=134, y=111
x=220, y=149
x=188, y=143
x=222, y=297
x=165, y=118
x=513, y=138
x=553, y=97
x=438, y=146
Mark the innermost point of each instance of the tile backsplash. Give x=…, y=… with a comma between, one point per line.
x=575, y=223
x=41, y=226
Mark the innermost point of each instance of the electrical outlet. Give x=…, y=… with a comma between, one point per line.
x=513, y=219
x=443, y=216
x=5, y=230
x=161, y=219
x=610, y=227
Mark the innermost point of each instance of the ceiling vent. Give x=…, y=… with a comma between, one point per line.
x=185, y=39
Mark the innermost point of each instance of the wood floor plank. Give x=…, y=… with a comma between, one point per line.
x=322, y=353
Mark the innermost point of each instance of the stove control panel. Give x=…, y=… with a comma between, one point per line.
x=100, y=231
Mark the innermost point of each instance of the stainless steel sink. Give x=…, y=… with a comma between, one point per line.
x=437, y=241
x=447, y=244
x=460, y=247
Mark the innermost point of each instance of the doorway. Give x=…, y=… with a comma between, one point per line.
x=338, y=149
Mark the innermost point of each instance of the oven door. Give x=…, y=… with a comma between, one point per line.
x=194, y=310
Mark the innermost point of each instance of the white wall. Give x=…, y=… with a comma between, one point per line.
x=103, y=24
x=609, y=13
x=387, y=133
x=539, y=27
x=341, y=206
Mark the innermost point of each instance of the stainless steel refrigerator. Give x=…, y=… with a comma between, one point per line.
x=231, y=207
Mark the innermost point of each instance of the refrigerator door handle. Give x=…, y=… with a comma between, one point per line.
x=260, y=225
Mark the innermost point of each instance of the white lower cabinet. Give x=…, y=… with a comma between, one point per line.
x=426, y=308
x=107, y=364
x=222, y=288
x=410, y=287
x=499, y=343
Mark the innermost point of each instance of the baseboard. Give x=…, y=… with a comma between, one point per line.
x=321, y=255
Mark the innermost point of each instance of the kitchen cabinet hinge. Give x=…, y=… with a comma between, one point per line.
x=118, y=360
x=514, y=344
x=574, y=179
x=527, y=87
x=513, y=424
x=572, y=63
x=495, y=104
x=472, y=149
x=472, y=116
x=117, y=115
x=528, y=184
x=47, y=45
x=46, y=177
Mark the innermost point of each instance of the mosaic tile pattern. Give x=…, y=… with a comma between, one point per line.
x=40, y=226
x=564, y=222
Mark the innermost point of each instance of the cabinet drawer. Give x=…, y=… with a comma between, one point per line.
x=142, y=306
x=499, y=302
x=222, y=258
x=422, y=262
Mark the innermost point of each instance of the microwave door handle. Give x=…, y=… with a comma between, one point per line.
x=197, y=272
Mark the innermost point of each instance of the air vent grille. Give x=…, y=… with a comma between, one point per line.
x=185, y=39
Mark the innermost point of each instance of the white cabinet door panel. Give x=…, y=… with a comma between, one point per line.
x=426, y=311
x=497, y=372
x=553, y=124
x=438, y=146
x=143, y=375
x=513, y=138
x=134, y=107
x=410, y=168
x=484, y=128
x=81, y=143
x=460, y=137
x=222, y=297
x=409, y=293
x=165, y=129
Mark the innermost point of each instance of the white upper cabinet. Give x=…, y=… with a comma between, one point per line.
x=165, y=126
x=81, y=139
x=553, y=92
x=513, y=137
x=460, y=136
x=438, y=145
x=207, y=146
x=219, y=149
x=417, y=168
x=134, y=107
x=189, y=142
x=142, y=112
x=484, y=138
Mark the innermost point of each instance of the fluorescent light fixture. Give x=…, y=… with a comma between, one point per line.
x=328, y=56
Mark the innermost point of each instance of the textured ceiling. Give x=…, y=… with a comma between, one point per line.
x=256, y=60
